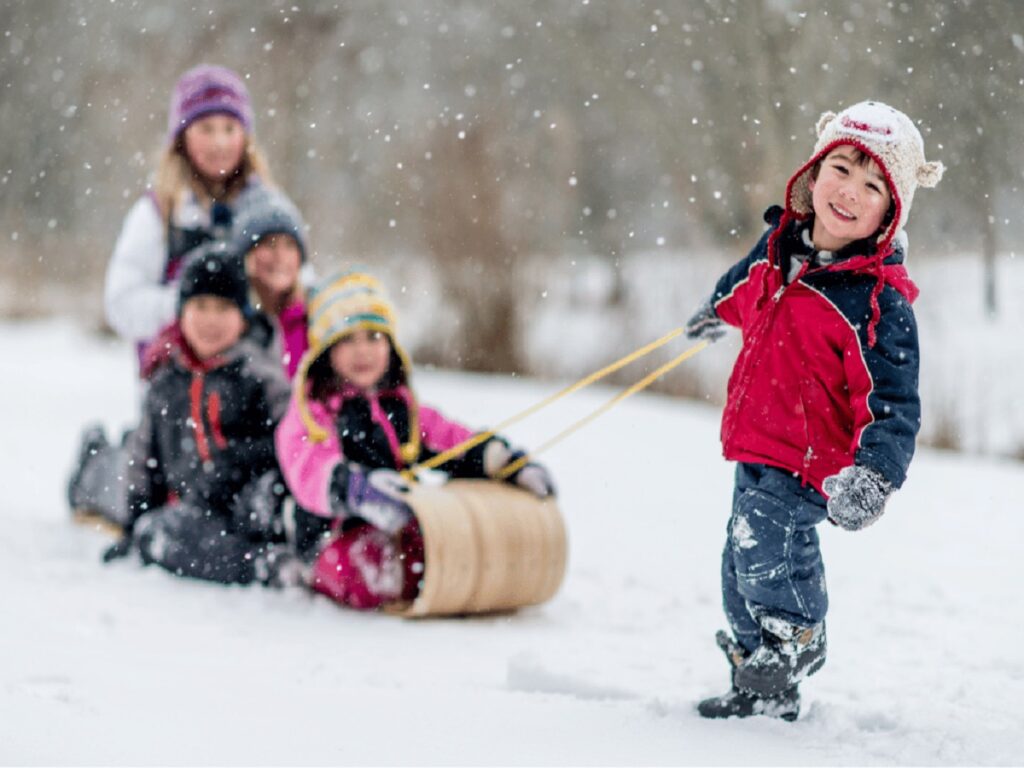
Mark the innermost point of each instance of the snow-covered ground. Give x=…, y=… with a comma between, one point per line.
x=122, y=664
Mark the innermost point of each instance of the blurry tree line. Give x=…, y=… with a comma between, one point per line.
x=470, y=134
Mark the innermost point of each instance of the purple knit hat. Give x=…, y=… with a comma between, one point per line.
x=203, y=90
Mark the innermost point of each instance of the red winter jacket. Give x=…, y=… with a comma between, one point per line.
x=828, y=372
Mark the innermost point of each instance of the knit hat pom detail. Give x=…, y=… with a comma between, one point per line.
x=823, y=121
x=930, y=174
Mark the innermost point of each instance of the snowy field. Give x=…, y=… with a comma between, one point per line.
x=125, y=665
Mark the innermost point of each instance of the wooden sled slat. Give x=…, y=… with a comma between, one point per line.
x=488, y=546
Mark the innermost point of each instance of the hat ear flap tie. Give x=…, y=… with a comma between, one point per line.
x=317, y=434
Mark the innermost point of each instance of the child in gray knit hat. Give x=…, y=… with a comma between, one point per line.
x=823, y=408
x=269, y=235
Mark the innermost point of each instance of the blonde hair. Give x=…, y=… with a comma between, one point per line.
x=175, y=173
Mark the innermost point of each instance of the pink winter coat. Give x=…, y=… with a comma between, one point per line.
x=373, y=433
x=294, y=336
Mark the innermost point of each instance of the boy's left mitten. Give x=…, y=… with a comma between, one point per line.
x=857, y=496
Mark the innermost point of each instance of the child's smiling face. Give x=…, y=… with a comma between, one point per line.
x=850, y=198
x=273, y=265
x=211, y=324
x=362, y=358
x=215, y=144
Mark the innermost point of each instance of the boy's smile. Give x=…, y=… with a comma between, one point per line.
x=850, y=199
x=211, y=324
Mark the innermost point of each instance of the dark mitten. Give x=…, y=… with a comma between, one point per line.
x=119, y=549
x=376, y=496
x=857, y=497
x=705, y=324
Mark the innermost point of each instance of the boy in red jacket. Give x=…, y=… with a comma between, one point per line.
x=823, y=408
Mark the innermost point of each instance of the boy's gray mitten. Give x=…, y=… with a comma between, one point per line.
x=705, y=324
x=857, y=497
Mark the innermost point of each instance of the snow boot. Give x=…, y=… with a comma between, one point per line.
x=93, y=440
x=279, y=569
x=740, y=703
x=788, y=653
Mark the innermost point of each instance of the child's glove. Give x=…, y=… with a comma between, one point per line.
x=531, y=477
x=705, y=324
x=535, y=479
x=376, y=496
x=857, y=497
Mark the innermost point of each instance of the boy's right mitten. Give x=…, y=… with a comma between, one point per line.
x=376, y=496
x=857, y=496
x=705, y=324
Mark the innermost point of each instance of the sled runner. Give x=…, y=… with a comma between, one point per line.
x=98, y=522
x=487, y=547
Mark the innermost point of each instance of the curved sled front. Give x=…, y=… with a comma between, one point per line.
x=488, y=546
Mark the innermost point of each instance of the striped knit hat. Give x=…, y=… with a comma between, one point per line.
x=340, y=305
x=204, y=90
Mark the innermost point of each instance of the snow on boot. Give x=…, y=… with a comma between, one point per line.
x=280, y=569
x=738, y=703
x=93, y=440
x=788, y=653
x=735, y=653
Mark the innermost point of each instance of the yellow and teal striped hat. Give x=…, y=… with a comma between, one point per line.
x=342, y=304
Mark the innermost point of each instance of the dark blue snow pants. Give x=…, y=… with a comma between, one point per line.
x=772, y=565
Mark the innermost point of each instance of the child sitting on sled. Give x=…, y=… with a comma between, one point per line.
x=352, y=425
x=823, y=407
x=210, y=166
x=197, y=501
x=269, y=239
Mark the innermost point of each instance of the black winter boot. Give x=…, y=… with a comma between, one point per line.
x=93, y=440
x=740, y=703
x=788, y=653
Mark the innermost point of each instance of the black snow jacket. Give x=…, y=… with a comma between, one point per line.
x=207, y=427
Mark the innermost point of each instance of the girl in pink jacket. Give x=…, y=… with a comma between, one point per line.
x=352, y=425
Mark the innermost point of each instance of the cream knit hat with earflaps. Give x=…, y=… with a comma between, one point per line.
x=338, y=306
x=886, y=135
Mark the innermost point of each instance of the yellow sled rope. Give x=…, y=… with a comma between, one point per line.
x=643, y=383
x=490, y=547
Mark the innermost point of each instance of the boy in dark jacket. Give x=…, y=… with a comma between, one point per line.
x=823, y=408
x=200, y=503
